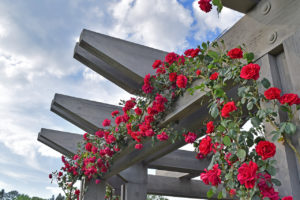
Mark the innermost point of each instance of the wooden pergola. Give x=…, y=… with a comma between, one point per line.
x=270, y=29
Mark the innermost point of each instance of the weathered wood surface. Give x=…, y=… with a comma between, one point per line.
x=87, y=115
x=63, y=142
x=261, y=32
x=242, y=6
x=132, y=59
x=110, y=73
x=95, y=191
x=170, y=186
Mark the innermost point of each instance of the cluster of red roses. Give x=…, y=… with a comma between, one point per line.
x=205, y=5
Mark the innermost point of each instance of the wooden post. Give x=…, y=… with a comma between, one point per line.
x=95, y=191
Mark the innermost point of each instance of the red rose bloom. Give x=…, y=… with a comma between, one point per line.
x=272, y=93
x=290, y=99
x=250, y=71
x=147, y=88
x=198, y=72
x=287, y=198
x=195, y=52
x=205, y=5
x=156, y=64
x=232, y=192
x=190, y=137
x=228, y=108
x=247, y=174
x=205, y=146
x=181, y=81
x=214, y=76
x=172, y=76
x=163, y=136
x=50, y=176
x=138, y=146
x=88, y=147
x=235, y=53
x=210, y=127
x=114, y=113
x=266, y=187
x=171, y=57
x=265, y=149
x=106, y=122
x=212, y=176
x=138, y=111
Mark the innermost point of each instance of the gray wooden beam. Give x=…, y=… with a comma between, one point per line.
x=102, y=68
x=170, y=186
x=63, y=142
x=87, y=115
x=95, y=191
x=131, y=59
x=269, y=27
x=180, y=161
x=242, y=6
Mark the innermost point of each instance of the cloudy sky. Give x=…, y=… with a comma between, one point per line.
x=37, y=39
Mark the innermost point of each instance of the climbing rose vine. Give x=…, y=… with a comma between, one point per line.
x=242, y=161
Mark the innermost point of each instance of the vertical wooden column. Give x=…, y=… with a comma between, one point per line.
x=95, y=191
x=275, y=67
x=136, y=183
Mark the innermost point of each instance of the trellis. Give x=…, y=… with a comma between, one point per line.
x=270, y=29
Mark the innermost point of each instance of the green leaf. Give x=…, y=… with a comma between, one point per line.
x=219, y=92
x=214, y=112
x=204, y=46
x=220, y=195
x=224, y=193
x=227, y=141
x=266, y=83
x=290, y=128
x=250, y=105
x=284, y=108
x=255, y=121
x=210, y=193
x=241, y=91
x=271, y=170
x=276, y=182
x=213, y=54
x=298, y=107
x=241, y=153
x=249, y=57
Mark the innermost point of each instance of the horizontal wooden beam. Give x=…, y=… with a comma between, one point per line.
x=271, y=23
x=132, y=60
x=105, y=70
x=180, y=161
x=63, y=142
x=170, y=186
x=87, y=115
x=242, y=6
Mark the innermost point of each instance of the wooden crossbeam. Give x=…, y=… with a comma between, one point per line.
x=131, y=59
x=242, y=6
x=87, y=115
x=101, y=67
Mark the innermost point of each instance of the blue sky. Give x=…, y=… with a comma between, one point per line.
x=37, y=39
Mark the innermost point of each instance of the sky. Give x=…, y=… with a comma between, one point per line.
x=37, y=40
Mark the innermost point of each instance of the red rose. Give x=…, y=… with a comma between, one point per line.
x=50, y=176
x=172, y=76
x=180, y=60
x=287, y=198
x=106, y=122
x=266, y=187
x=188, y=52
x=77, y=192
x=198, y=72
x=88, y=147
x=232, y=192
x=147, y=88
x=212, y=176
x=228, y=108
x=250, y=71
x=171, y=57
x=114, y=113
x=290, y=99
x=138, y=111
x=235, y=53
x=97, y=181
x=163, y=136
x=156, y=64
x=190, y=137
x=181, y=81
x=265, y=149
x=195, y=52
x=214, y=76
x=210, y=127
x=247, y=174
x=205, y=5
x=205, y=146
x=138, y=146
x=272, y=93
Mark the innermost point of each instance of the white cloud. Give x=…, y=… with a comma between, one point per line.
x=163, y=24
x=211, y=22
